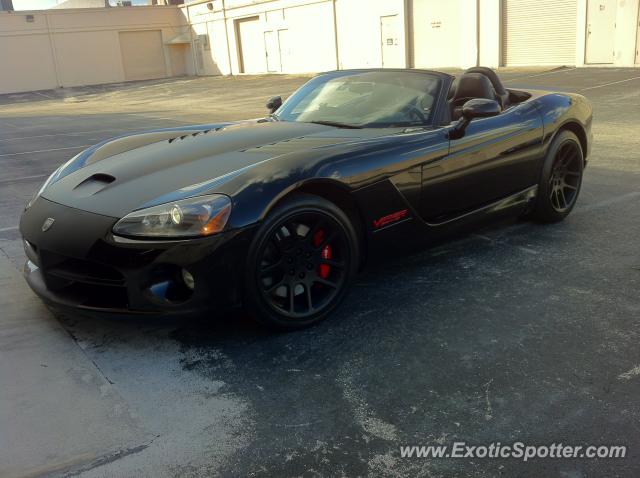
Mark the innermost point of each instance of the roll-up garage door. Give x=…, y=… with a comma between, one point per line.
x=539, y=32
x=142, y=55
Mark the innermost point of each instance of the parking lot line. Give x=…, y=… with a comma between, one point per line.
x=6, y=229
x=539, y=74
x=611, y=83
x=45, y=150
x=23, y=178
x=62, y=134
x=609, y=202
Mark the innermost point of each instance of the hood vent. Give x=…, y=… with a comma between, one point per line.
x=185, y=136
x=93, y=184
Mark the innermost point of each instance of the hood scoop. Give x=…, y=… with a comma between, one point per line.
x=93, y=184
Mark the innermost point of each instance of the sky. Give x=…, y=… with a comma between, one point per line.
x=44, y=4
x=33, y=4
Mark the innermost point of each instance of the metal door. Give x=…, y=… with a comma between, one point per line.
x=285, y=50
x=272, y=51
x=601, y=26
x=251, y=45
x=389, y=38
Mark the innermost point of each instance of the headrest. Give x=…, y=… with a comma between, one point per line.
x=474, y=85
x=493, y=77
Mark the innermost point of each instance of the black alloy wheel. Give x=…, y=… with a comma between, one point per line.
x=565, y=177
x=301, y=264
x=561, y=179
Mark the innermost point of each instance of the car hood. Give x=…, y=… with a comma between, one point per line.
x=144, y=169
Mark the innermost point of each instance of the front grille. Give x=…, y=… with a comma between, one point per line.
x=85, y=282
x=80, y=270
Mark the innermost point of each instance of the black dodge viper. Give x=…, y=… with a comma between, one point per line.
x=279, y=213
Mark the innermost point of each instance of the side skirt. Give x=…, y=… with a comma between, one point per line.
x=411, y=231
x=521, y=198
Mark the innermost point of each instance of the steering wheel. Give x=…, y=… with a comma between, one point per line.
x=413, y=110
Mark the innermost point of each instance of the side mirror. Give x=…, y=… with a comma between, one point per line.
x=480, y=108
x=475, y=108
x=274, y=103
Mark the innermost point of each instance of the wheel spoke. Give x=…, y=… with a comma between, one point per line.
x=292, y=297
x=327, y=239
x=332, y=263
x=568, y=156
x=569, y=186
x=557, y=197
x=322, y=281
x=314, y=230
x=271, y=288
x=271, y=268
x=277, y=243
x=564, y=200
x=308, y=294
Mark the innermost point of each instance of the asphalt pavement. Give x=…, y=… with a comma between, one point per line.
x=516, y=332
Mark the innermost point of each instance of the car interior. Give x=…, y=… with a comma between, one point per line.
x=480, y=82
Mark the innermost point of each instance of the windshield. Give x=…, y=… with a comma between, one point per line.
x=365, y=99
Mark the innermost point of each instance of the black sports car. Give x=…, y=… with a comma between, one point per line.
x=279, y=213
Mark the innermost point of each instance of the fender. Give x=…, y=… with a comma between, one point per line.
x=566, y=111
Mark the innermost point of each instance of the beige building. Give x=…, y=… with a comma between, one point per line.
x=70, y=47
x=63, y=48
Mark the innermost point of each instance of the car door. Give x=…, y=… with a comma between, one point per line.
x=496, y=157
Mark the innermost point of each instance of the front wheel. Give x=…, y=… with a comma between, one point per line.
x=300, y=264
x=561, y=179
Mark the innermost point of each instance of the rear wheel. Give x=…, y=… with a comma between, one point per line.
x=301, y=263
x=561, y=179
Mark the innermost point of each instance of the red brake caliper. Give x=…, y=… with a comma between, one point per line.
x=323, y=269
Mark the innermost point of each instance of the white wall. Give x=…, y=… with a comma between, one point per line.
x=468, y=44
x=359, y=36
x=625, y=33
x=490, y=33
x=436, y=27
x=81, y=46
x=309, y=31
x=445, y=32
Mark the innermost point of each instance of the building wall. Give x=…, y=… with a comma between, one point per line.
x=63, y=48
x=303, y=30
x=490, y=33
x=626, y=33
x=359, y=31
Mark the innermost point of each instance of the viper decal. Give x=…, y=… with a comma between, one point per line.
x=390, y=218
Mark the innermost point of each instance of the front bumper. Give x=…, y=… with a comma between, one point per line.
x=77, y=263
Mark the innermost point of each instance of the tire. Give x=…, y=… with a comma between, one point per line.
x=561, y=179
x=300, y=264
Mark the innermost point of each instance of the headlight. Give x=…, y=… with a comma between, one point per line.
x=198, y=216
